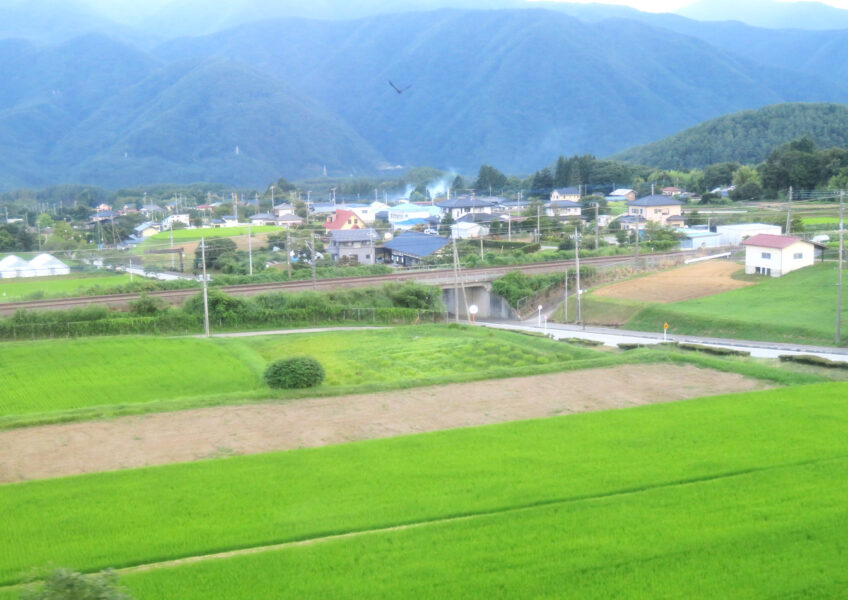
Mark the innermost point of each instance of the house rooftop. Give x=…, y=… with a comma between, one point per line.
x=417, y=244
x=655, y=200
x=466, y=202
x=767, y=240
x=353, y=235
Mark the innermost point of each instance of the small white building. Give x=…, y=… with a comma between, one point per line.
x=47, y=264
x=368, y=212
x=696, y=239
x=734, y=235
x=171, y=220
x=776, y=255
x=468, y=230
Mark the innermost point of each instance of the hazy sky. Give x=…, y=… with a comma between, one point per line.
x=672, y=5
x=129, y=9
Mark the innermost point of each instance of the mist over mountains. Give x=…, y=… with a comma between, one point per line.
x=291, y=96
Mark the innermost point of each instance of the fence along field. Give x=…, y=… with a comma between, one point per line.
x=54, y=380
x=733, y=480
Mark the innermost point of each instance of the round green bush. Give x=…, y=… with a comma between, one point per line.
x=295, y=372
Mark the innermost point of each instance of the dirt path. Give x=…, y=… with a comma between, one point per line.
x=683, y=283
x=69, y=449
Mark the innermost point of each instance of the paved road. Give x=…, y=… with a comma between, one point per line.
x=612, y=337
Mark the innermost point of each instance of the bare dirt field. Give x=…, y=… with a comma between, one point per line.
x=683, y=283
x=69, y=449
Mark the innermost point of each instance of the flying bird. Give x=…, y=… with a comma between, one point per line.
x=397, y=89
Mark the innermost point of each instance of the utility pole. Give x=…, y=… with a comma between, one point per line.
x=509, y=227
x=577, y=267
x=539, y=222
x=272, y=199
x=249, y=251
x=839, y=271
x=205, y=291
x=455, y=280
x=637, y=238
x=481, y=245
x=789, y=211
x=171, y=223
x=566, y=295
x=131, y=273
x=597, y=227
x=288, y=252
x=314, y=282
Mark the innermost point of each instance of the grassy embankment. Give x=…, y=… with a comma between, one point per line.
x=13, y=290
x=734, y=496
x=799, y=307
x=67, y=380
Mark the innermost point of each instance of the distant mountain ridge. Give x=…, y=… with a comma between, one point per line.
x=746, y=137
x=287, y=97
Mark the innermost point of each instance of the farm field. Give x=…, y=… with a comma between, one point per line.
x=58, y=380
x=193, y=235
x=75, y=448
x=738, y=495
x=798, y=307
x=13, y=290
x=675, y=285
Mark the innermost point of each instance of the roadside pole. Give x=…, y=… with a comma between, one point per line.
x=839, y=271
x=205, y=291
x=249, y=251
x=597, y=227
x=314, y=279
x=565, y=320
x=577, y=267
x=288, y=252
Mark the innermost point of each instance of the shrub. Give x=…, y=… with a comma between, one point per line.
x=63, y=584
x=293, y=373
x=714, y=350
x=818, y=361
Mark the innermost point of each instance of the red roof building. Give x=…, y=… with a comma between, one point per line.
x=343, y=219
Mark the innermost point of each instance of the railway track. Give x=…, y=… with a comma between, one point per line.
x=444, y=277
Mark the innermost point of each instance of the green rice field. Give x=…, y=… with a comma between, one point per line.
x=13, y=290
x=736, y=496
x=799, y=307
x=72, y=379
x=191, y=235
x=820, y=220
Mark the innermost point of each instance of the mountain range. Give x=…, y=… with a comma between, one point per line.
x=294, y=96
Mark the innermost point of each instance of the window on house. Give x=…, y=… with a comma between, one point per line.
x=766, y=255
x=798, y=255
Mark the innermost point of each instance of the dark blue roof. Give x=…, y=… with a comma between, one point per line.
x=417, y=244
x=466, y=202
x=568, y=190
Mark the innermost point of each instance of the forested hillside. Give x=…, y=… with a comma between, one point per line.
x=746, y=137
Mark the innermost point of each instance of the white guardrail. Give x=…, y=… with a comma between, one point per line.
x=710, y=257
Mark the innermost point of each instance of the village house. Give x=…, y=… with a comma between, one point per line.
x=563, y=209
x=343, y=219
x=463, y=205
x=411, y=247
x=368, y=212
x=568, y=194
x=777, y=255
x=354, y=244
x=671, y=191
x=657, y=209
x=622, y=195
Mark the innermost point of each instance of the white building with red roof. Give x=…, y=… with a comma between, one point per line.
x=776, y=255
